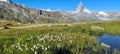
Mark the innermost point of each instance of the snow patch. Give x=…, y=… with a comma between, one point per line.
x=77, y=11
x=71, y=11
x=103, y=13
x=8, y=1
x=104, y=19
x=87, y=11
x=50, y=10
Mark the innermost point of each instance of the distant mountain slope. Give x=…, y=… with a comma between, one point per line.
x=20, y=13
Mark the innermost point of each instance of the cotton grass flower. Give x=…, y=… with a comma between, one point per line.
x=26, y=48
x=32, y=49
x=35, y=52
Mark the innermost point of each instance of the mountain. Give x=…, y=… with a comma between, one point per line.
x=7, y=1
x=84, y=14
x=81, y=9
x=20, y=13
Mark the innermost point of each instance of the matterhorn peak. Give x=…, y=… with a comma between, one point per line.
x=80, y=8
x=7, y=1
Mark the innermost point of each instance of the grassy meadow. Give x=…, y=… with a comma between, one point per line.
x=77, y=38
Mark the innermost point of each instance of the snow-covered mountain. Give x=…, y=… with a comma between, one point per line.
x=20, y=13
x=84, y=14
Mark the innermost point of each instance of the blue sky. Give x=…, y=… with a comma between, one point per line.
x=70, y=5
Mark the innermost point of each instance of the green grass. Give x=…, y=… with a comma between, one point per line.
x=49, y=43
x=76, y=39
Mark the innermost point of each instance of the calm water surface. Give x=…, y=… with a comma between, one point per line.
x=111, y=40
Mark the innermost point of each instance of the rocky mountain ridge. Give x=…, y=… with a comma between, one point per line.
x=20, y=13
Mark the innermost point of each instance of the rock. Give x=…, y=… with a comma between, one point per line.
x=40, y=12
x=80, y=8
x=97, y=27
x=105, y=45
x=49, y=25
x=1, y=16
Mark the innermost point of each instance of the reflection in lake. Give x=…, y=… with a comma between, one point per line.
x=111, y=40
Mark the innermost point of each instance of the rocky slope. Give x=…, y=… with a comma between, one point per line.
x=19, y=13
